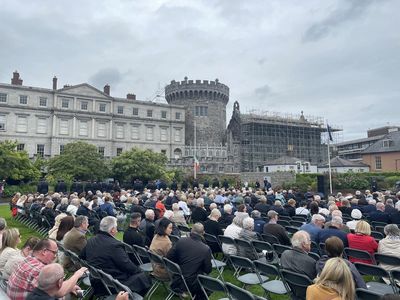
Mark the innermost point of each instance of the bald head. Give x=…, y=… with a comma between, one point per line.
x=50, y=277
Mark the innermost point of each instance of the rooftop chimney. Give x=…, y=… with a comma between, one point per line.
x=16, y=80
x=131, y=96
x=54, y=83
x=107, y=89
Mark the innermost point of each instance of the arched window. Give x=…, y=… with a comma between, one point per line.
x=177, y=153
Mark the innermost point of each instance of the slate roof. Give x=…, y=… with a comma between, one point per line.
x=284, y=160
x=378, y=146
x=338, y=162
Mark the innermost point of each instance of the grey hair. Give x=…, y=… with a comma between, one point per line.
x=198, y=228
x=337, y=220
x=299, y=238
x=200, y=202
x=215, y=213
x=79, y=220
x=64, y=200
x=372, y=201
x=108, y=223
x=175, y=206
x=248, y=223
x=149, y=213
x=392, y=230
x=49, y=276
x=3, y=223
x=255, y=214
x=227, y=207
x=168, y=214
x=50, y=204
x=317, y=217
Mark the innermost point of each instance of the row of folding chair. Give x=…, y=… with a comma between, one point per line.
x=37, y=223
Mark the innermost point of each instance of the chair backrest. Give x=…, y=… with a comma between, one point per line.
x=296, y=223
x=286, y=218
x=380, y=229
x=155, y=258
x=175, y=270
x=242, y=262
x=376, y=223
x=281, y=248
x=270, y=238
x=283, y=222
x=237, y=293
x=300, y=217
x=314, y=255
x=267, y=269
x=360, y=254
x=363, y=294
x=372, y=270
x=210, y=238
x=226, y=240
x=122, y=287
x=211, y=284
x=395, y=274
x=141, y=251
x=377, y=235
x=245, y=244
x=298, y=283
x=184, y=228
x=261, y=245
x=292, y=229
x=174, y=238
x=387, y=259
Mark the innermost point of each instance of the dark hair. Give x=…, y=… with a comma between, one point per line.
x=162, y=226
x=241, y=208
x=66, y=225
x=42, y=244
x=135, y=216
x=334, y=247
x=31, y=242
x=314, y=208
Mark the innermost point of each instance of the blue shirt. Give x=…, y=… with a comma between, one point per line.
x=312, y=230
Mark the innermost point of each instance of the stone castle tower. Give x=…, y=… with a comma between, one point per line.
x=205, y=102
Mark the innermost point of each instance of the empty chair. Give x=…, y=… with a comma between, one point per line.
x=270, y=238
x=298, y=283
x=211, y=284
x=252, y=276
x=286, y=218
x=113, y=286
x=376, y=271
x=142, y=254
x=274, y=286
x=237, y=293
x=291, y=229
x=283, y=222
x=156, y=259
x=377, y=235
x=296, y=223
x=184, y=230
x=302, y=218
x=175, y=270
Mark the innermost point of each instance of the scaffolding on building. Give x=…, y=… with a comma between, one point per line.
x=266, y=136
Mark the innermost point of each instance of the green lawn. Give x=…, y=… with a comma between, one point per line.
x=161, y=293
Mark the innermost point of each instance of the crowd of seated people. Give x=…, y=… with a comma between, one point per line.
x=153, y=215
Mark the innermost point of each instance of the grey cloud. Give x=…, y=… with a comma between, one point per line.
x=262, y=92
x=111, y=76
x=349, y=11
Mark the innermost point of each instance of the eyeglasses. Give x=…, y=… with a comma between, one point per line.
x=55, y=252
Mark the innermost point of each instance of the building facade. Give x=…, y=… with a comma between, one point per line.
x=44, y=120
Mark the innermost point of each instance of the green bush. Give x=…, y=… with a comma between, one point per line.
x=10, y=190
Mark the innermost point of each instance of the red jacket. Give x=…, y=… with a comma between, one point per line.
x=161, y=208
x=362, y=242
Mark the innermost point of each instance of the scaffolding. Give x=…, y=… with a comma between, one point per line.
x=266, y=136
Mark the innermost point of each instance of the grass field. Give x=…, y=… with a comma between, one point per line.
x=161, y=293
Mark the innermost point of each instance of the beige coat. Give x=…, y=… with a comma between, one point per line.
x=160, y=245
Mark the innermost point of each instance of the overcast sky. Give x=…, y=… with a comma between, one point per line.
x=336, y=59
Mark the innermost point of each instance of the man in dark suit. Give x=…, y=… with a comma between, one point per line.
x=334, y=229
x=379, y=215
x=105, y=252
x=43, y=187
x=194, y=257
x=133, y=236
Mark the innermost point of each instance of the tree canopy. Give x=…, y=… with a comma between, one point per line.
x=79, y=160
x=16, y=165
x=137, y=163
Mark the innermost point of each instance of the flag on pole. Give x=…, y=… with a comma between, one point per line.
x=196, y=164
x=329, y=132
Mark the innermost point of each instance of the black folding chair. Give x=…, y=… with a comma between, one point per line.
x=302, y=218
x=174, y=239
x=211, y=284
x=279, y=249
x=296, y=223
x=359, y=254
x=298, y=283
x=157, y=259
x=252, y=276
x=283, y=222
x=274, y=286
x=185, y=231
x=113, y=287
x=363, y=294
x=270, y=254
x=387, y=259
x=377, y=235
x=142, y=253
x=380, y=229
x=286, y=218
x=376, y=271
x=175, y=270
x=291, y=229
x=237, y=293
x=243, y=244
x=314, y=255
x=270, y=238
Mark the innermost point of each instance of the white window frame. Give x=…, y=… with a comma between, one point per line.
x=178, y=135
x=43, y=100
x=41, y=125
x=135, y=111
x=135, y=132
x=65, y=103
x=83, y=128
x=3, y=97
x=22, y=124
x=149, y=133
x=3, y=122
x=101, y=129
x=64, y=127
x=102, y=105
x=84, y=105
x=119, y=131
x=120, y=110
x=163, y=134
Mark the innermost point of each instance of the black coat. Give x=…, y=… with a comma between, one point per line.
x=379, y=216
x=214, y=228
x=199, y=215
x=108, y=254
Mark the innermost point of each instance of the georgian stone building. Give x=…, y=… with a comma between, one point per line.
x=44, y=120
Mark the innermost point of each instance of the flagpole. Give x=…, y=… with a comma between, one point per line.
x=329, y=160
x=194, y=153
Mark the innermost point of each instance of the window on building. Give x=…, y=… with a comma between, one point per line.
x=101, y=129
x=120, y=131
x=101, y=151
x=22, y=124
x=201, y=111
x=42, y=101
x=3, y=97
x=163, y=114
x=177, y=115
x=65, y=103
x=178, y=135
x=41, y=125
x=135, y=132
x=163, y=134
x=84, y=105
x=149, y=113
x=135, y=111
x=20, y=147
x=64, y=127
x=23, y=99
x=119, y=151
x=164, y=152
x=120, y=110
x=387, y=143
x=83, y=128
x=149, y=133
x=102, y=107
x=40, y=150
x=2, y=122
x=378, y=163
x=62, y=148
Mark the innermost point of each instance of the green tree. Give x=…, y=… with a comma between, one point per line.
x=79, y=160
x=137, y=163
x=16, y=165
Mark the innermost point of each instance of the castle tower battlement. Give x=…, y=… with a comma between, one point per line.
x=205, y=103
